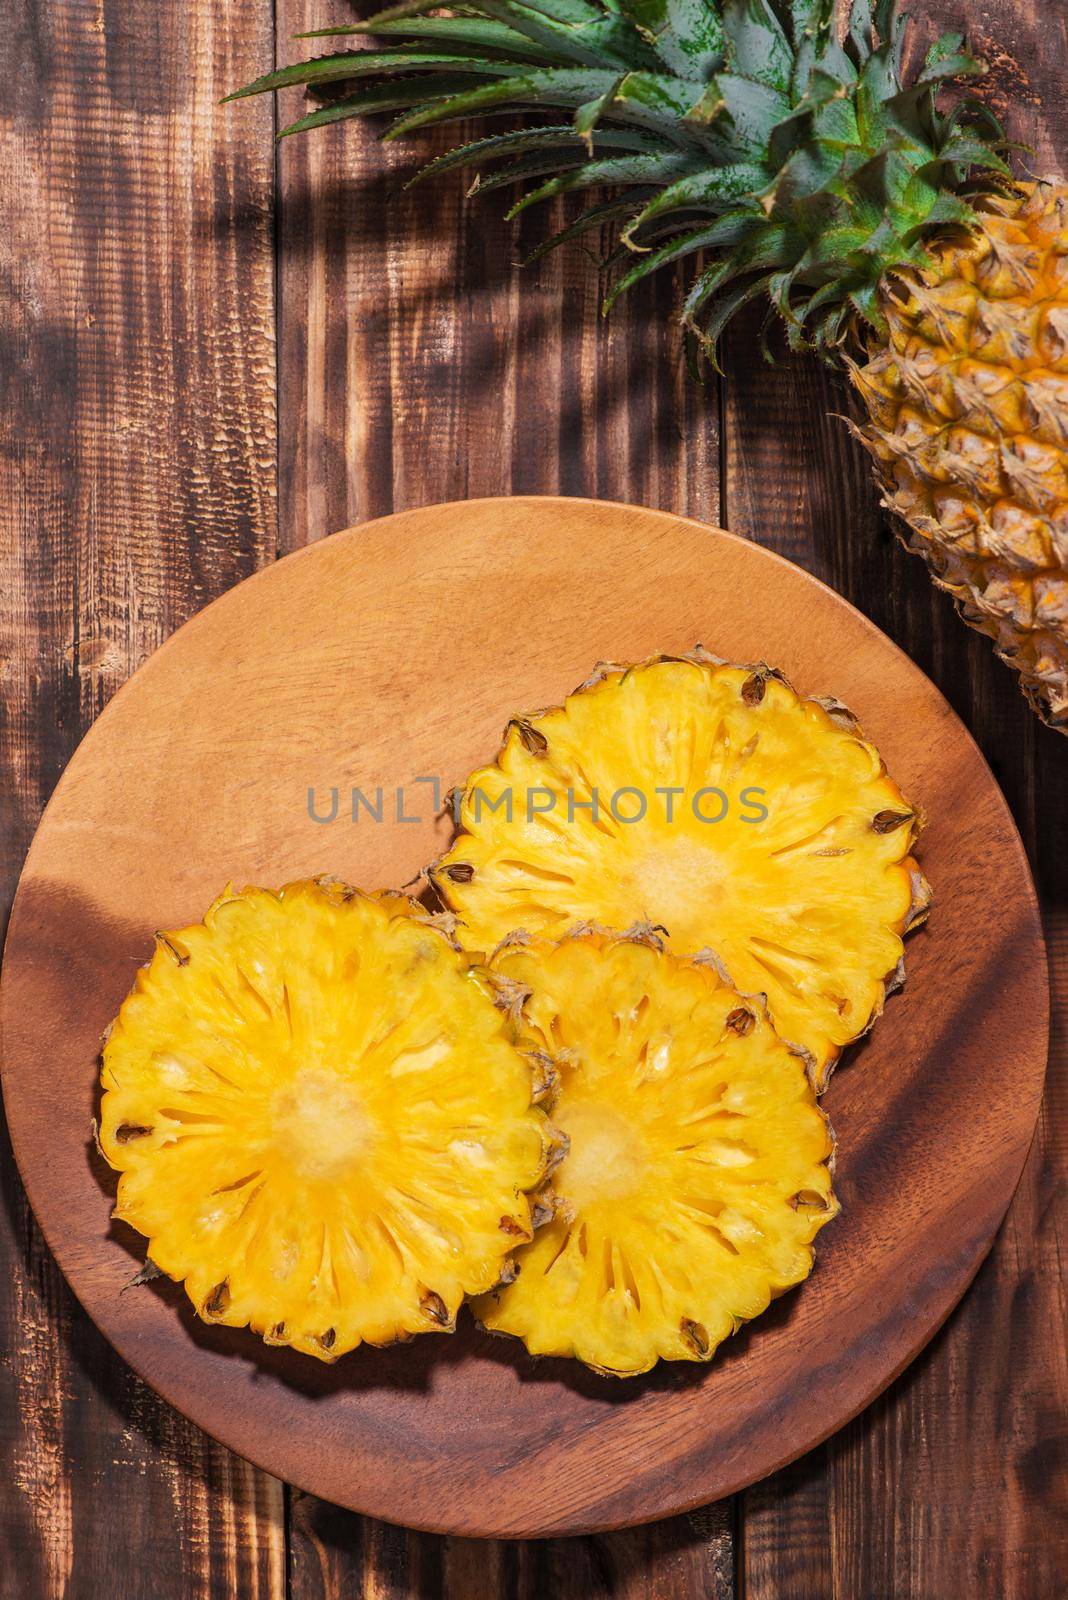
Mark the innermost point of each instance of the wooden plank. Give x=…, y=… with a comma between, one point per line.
x=337, y=1556
x=355, y=456
x=138, y=481
x=419, y=363
x=957, y=1480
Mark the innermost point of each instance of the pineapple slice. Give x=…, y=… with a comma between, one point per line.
x=323, y=1125
x=699, y=1169
x=716, y=803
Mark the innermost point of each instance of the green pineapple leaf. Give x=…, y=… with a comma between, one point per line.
x=559, y=136
x=594, y=217
x=726, y=231
x=757, y=46
x=397, y=95
x=555, y=87
x=627, y=169
x=780, y=141
x=687, y=35
x=370, y=63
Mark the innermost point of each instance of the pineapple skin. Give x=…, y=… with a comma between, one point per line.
x=967, y=405
x=700, y=1166
x=321, y=1119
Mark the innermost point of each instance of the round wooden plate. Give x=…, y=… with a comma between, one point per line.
x=392, y=654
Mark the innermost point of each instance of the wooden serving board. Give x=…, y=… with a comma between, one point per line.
x=395, y=652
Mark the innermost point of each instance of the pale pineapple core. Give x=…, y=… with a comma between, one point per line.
x=320, y=1124
x=607, y=1158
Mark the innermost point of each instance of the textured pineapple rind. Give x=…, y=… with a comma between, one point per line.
x=429, y=1310
x=916, y=896
x=501, y=1311
x=967, y=404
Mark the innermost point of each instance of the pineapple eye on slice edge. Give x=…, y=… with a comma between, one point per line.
x=699, y=1168
x=320, y=1118
x=714, y=802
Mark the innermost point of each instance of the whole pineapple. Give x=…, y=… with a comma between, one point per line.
x=803, y=167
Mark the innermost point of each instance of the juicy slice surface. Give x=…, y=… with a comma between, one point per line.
x=322, y=1123
x=746, y=820
x=697, y=1175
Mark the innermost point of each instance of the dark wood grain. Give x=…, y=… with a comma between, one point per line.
x=419, y=362
x=136, y=480
x=143, y=408
x=336, y=1555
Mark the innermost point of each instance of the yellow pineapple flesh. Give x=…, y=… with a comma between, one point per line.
x=698, y=1173
x=321, y=1121
x=968, y=408
x=803, y=887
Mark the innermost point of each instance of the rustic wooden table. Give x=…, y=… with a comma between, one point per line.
x=214, y=352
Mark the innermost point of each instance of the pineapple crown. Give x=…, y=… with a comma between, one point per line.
x=792, y=153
